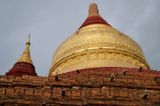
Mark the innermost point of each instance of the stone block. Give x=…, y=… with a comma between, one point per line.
x=51, y=79
x=19, y=90
x=86, y=92
x=25, y=77
x=10, y=91
x=18, y=78
x=124, y=93
x=10, y=78
x=105, y=91
x=2, y=91
x=134, y=93
x=3, y=78
x=47, y=92
x=29, y=91
x=57, y=92
x=68, y=92
x=38, y=92
x=76, y=92
x=32, y=78
x=116, y=92
x=95, y=92
x=37, y=83
x=45, y=79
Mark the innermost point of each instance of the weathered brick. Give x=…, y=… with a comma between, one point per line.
x=116, y=92
x=3, y=78
x=19, y=90
x=76, y=92
x=124, y=93
x=44, y=79
x=51, y=79
x=95, y=92
x=32, y=78
x=2, y=91
x=18, y=78
x=38, y=92
x=25, y=77
x=29, y=91
x=105, y=91
x=68, y=92
x=57, y=92
x=88, y=87
x=47, y=92
x=85, y=92
x=10, y=91
x=10, y=78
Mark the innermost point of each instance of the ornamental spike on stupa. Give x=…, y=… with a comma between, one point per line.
x=24, y=65
x=93, y=10
x=93, y=16
x=26, y=57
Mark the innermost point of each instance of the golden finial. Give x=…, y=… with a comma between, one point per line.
x=28, y=41
x=93, y=10
x=26, y=57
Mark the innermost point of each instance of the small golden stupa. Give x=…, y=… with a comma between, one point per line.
x=24, y=65
x=26, y=57
x=97, y=44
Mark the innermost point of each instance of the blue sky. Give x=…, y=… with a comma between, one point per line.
x=50, y=22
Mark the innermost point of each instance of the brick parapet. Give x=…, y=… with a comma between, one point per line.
x=85, y=87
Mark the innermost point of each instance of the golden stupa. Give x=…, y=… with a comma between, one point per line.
x=26, y=57
x=97, y=44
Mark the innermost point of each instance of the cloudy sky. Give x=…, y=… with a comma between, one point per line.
x=52, y=21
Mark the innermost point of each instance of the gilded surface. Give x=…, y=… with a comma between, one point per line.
x=26, y=57
x=117, y=49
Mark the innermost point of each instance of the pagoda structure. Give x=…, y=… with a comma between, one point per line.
x=96, y=66
x=24, y=65
x=97, y=44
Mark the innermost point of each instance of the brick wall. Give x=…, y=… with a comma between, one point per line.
x=111, y=86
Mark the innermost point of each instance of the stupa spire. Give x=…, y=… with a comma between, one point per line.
x=93, y=16
x=93, y=10
x=26, y=57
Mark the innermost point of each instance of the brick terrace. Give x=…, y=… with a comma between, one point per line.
x=88, y=87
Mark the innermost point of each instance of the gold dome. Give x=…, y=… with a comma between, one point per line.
x=97, y=44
